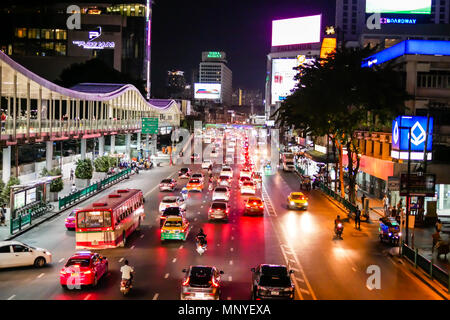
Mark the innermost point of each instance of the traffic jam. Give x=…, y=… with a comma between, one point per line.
x=108, y=222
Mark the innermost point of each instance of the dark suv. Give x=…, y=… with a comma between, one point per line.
x=201, y=283
x=270, y=281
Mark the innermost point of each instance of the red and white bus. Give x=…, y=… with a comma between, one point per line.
x=107, y=222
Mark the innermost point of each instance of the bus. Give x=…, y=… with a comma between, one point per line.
x=108, y=222
x=287, y=159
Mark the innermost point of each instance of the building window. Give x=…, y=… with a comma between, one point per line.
x=34, y=33
x=21, y=32
x=47, y=34
x=60, y=34
x=60, y=49
x=19, y=48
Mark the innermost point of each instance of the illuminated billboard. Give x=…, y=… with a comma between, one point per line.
x=399, y=6
x=283, y=74
x=296, y=31
x=209, y=91
x=402, y=140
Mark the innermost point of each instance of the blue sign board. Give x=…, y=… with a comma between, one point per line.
x=418, y=125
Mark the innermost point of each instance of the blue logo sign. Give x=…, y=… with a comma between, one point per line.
x=418, y=125
x=397, y=21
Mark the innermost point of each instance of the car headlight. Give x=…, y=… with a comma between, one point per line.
x=47, y=253
x=292, y=203
x=306, y=203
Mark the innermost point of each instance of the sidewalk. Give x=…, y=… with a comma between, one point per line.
x=421, y=237
x=5, y=231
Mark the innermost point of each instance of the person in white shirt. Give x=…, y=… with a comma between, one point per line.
x=127, y=272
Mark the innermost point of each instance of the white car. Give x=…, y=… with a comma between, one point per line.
x=248, y=188
x=221, y=193
x=245, y=173
x=171, y=201
x=206, y=164
x=227, y=171
x=18, y=254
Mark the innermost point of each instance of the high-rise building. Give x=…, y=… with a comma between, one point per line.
x=39, y=38
x=213, y=70
x=357, y=21
x=244, y=97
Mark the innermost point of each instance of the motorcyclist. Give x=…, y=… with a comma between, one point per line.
x=201, y=237
x=184, y=192
x=338, y=221
x=127, y=272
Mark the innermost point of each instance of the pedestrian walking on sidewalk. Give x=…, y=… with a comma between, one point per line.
x=386, y=205
x=2, y=215
x=71, y=174
x=357, y=218
x=438, y=225
x=362, y=199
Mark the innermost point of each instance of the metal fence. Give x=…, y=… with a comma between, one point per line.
x=426, y=265
x=26, y=214
x=347, y=204
x=76, y=197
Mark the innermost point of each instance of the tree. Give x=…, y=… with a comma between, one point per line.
x=96, y=71
x=84, y=169
x=102, y=164
x=5, y=195
x=57, y=184
x=335, y=96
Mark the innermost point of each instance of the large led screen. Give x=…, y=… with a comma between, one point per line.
x=283, y=74
x=399, y=6
x=296, y=31
x=209, y=91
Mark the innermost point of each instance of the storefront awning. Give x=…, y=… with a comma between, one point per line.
x=319, y=156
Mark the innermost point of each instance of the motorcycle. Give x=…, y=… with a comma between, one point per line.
x=184, y=195
x=338, y=230
x=125, y=286
x=201, y=246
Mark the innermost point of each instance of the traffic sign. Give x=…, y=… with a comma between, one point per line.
x=149, y=126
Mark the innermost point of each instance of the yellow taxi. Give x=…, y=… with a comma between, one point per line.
x=297, y=200
x=175, y=228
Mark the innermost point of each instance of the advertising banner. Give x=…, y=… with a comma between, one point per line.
x=208, y=91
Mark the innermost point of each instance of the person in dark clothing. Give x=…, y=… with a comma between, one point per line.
x=362, y=199
x=358, y=218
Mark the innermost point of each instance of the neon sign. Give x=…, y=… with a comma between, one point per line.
x=214, y=54
x=397, y=21
x=95, y=44
x=401, y=137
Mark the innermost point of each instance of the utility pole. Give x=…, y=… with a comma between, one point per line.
x=407, y=187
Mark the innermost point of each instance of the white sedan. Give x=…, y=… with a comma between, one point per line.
x=227, y=171
x=206, y=164
x=221, y=193
x=18, y=254
x=171, y=201
x=248, y=188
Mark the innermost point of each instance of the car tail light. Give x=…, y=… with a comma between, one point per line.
x=214, y=283
x=228, y=210
x=62, y=272
x=247, y=205
x=261, y=206
x=186, y=282
x=87, y=272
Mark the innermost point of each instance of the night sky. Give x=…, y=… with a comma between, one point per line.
x=181, y=30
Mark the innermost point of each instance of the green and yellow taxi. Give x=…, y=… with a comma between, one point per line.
x=297, y=200
x=175, y=228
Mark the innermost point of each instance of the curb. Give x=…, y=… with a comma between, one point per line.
x=31, y=226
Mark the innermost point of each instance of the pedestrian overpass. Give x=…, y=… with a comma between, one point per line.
x=38, y=110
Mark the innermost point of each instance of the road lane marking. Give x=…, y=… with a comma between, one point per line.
x=230, y=278
x=305, y=291
x=142, y=236
x=12, y=297
x=354, y=269
x=231, y=262
x=231, y=249
x=232, y=238
x=155, y=297
x=198, y=212
x=61, y=260
x=132, y=247
x=195, y=219
x=166, y=276
x=228, y=298
x=300, y=279
x=87, y=297
x=181, y=247
x=41, y=275
x=121, y=259
x=174, y=260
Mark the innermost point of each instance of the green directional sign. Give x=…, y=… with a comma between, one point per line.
x=149, y=125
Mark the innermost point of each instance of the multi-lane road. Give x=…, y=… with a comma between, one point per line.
x=325, y=268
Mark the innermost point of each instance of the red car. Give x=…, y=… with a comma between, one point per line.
x=254, y=205
x=83, y=268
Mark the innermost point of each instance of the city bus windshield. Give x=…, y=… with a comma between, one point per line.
x=94, y=219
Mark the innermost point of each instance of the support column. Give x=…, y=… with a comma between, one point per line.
x=113, y=144
x=6, y=171
x=127, y=145
x=138, y=140
x=147, y=146
x=101, y=146
x=49, y=155
x=83, y=149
